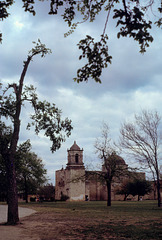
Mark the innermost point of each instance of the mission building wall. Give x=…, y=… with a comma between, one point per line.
x=77, y=184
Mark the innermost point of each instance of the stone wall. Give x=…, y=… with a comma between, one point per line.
x=76, y=185
x=80, y=185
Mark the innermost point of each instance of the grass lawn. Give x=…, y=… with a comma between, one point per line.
x=94, y=220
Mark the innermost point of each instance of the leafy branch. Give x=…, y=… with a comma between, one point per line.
x=134, y=25
x=97, y=55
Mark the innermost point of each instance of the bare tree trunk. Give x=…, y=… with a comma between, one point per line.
x=125, y=197
x=108, y=193
x=155, y=189
x=26, y=190
x=13, y=216
x=158, y=193
x=12, y=196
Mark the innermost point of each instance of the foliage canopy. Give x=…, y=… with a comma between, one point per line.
x=134, y=19
x=30, y=170
x=135, y=187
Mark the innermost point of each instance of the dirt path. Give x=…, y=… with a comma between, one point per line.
x=23, y=212
x=14, y=232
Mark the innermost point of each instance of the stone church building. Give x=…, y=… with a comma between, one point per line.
x=80, y=185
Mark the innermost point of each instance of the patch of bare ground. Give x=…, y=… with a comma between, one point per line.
x=88, y=221
x=53, y=226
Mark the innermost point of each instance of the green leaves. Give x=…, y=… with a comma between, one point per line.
x=134, y=25
x=4, y=5
x=47, y=117
x=29, y=168
x=54, y=5
x=131, y=18
x=7, y=103
x=69, y=12
x=97, y=55
x=5, y=137
x=3, y=8
x=89, y=9
x=159, y=23
x=39, y=48
x=139, y=187
x=28, y=6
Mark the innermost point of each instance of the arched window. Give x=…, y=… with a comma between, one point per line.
x=76, y=158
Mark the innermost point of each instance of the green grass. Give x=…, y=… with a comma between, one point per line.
x=94, y=220
x=145, y=209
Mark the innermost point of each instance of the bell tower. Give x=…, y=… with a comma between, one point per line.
x=71, y=180
x=75, y=157
x=75, y=174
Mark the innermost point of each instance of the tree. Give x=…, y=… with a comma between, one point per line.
x=5, y=137
x=30, y=170
x=3, y=182
x=111, y=162
x=135, y=187
x=47, y=192
x=134, y=18
x=46, y=117
x=139, y=187
x=142, y=139
x=124, y=189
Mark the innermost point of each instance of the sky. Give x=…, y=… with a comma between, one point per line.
x=131, y=83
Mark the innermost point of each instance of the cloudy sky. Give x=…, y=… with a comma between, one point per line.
x=131, y=83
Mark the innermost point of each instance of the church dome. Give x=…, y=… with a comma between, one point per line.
x=120, y=161
x=75, y=147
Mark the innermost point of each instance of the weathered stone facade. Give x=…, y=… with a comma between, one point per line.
x=74, y=181
x=69, y=181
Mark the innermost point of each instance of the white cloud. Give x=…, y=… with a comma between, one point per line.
x=18, y=25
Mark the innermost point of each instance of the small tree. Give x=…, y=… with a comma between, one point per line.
x=110, y=161
x=47, y=192
x=47, y=117
x=143, y=139
x=135, y=187
x=30, y=170
x=124, y=189
x=139, y=187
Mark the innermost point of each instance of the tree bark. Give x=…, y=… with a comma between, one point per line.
x=13, y=216
x=12, y=196
x=108, y=193
x=158, y=193
x=125, y=197
x=26, y=190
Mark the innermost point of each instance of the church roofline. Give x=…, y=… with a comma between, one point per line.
x=75, y=147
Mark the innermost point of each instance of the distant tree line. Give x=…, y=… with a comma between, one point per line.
x=46, y=193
